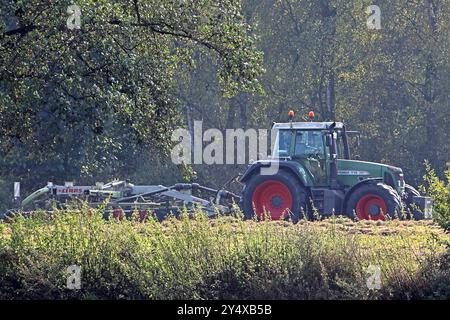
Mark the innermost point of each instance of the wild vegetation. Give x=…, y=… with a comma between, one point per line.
x=223, y=258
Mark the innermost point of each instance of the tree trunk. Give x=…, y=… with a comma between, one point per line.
x=243, y=119
x=331, y=100
x=430, y=83
x=190, y=122
x=231, y=114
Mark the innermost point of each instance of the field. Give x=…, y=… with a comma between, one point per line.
x=224, y=258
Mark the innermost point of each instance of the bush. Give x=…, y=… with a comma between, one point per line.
x=439, y=190
x=224, y=258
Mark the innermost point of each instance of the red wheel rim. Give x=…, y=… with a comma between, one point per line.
x=143, y=214
x=272, y=197
x=371, y=207
x=118, y=214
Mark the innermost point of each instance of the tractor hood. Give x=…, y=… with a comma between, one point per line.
x=351, y=172
x=349, y=167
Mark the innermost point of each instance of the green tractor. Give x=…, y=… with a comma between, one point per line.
x=311, y=173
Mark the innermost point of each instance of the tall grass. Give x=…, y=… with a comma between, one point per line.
x=224, y=258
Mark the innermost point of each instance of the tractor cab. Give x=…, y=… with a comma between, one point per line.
x=313, y=145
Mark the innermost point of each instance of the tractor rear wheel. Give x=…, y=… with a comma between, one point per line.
x=374, y=201
x=278, y=196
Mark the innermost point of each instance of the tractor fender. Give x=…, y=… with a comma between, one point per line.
x=356, y=186
x=289, y=166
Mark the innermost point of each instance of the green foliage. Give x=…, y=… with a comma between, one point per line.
x=390, y=84
x=439, y=190
x=88, y=101
x=224, y=258
x=5, y=196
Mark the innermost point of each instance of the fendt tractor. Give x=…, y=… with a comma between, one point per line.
x=317, y=175
x=310, y=174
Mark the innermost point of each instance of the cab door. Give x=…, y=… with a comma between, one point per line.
x=310, y=152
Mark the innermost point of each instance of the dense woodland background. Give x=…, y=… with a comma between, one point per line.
x=101, y=102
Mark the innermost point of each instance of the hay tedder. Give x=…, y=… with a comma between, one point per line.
x=121, y=199
x=315, y=173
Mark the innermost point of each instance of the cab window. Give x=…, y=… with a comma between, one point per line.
x=340, y=145
x=283, y=143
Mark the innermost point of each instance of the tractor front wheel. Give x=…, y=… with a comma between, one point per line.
x=278, y=196
x=410, y=193
x=374, y=201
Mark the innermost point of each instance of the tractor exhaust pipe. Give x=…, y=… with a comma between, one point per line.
x=334, y=156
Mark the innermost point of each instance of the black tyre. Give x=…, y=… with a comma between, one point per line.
x=281, y=196
x=374, y=201
x=10, y=215
x=407, y=198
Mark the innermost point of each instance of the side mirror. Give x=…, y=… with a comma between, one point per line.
x=332, y=126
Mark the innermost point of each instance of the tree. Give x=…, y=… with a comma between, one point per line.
x=391, y=84
x=89, y=99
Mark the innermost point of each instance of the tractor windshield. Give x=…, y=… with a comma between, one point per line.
x=298, y=143
x=309, y=143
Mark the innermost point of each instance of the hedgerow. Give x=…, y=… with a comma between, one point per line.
x=224, y=258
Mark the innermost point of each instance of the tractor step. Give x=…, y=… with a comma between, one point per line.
x=318, y=197
x=327, y=202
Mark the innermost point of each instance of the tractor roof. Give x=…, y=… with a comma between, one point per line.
x=307, y=125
